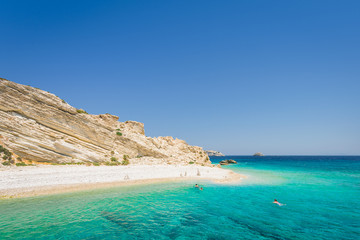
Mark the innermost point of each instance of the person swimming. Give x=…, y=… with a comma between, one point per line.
x=201, y=189
x=276, y=202
x=197, y=186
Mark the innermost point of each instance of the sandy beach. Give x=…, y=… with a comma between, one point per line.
x=50, y=179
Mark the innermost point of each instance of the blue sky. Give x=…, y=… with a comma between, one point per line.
x=279, y=77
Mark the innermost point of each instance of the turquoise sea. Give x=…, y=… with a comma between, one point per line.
x=322, y=197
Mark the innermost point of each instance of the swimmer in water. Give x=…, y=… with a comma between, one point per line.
x=197, y=186
x=201, y=189
x=276, y=202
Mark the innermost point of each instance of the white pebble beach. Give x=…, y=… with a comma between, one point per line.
x=51, y=179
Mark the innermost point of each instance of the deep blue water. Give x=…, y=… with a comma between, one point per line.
x=321, y=195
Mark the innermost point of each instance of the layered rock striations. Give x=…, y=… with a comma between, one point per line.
x=40, y=127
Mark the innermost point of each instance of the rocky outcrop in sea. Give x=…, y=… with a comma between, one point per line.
x=227, y=162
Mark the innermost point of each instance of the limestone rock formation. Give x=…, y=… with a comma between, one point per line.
x=212, y=153
x=40, y=127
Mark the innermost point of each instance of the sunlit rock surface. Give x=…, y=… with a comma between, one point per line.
x=38, y=126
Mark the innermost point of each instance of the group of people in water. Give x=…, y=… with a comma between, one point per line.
x=197, y=186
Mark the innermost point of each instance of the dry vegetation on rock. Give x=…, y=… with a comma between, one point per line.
x=40, y=127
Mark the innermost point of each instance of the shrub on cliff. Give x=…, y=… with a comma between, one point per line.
x=118, y=132
x=81, y=111
x=112, y=163
x=21, y=164
x=125, y=160
x=7, y=153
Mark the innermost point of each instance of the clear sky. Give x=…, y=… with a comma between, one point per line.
x=279, y=77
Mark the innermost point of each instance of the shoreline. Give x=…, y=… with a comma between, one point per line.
x=30, y=181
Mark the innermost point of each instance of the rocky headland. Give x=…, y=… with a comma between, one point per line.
x=212, y=153
x=38, y=127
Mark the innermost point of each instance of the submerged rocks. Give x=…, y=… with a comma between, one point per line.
x=227, y=162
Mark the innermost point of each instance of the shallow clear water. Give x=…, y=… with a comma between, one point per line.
x=321, y=195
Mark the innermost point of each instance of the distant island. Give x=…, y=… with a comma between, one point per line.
x=258, y=154
x=212, y=153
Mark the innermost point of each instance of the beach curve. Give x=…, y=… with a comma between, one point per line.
x=39, y=180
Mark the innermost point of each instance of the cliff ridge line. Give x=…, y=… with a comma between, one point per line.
x=37, y=126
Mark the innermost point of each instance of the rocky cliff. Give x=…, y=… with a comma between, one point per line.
x=37, y=126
